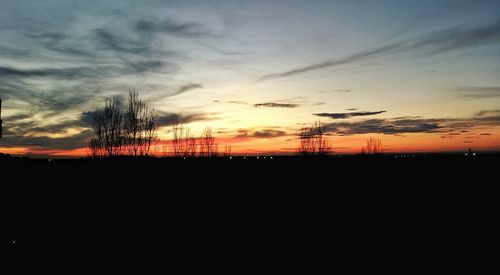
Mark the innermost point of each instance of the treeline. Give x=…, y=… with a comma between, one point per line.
x=131, y=130
x=184, y=144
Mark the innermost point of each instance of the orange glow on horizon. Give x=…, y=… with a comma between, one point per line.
x=286, y=145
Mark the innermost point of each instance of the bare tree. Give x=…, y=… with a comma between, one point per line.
x=177, y=140
x=313, y=141
x=117, y=132
x=373, y=147
x=139, y=126
x=208, y=147
x=132, y=122
x=227, y=150
x=183, y=142
x=96, y=150
x=149, y=127
x=107, y=125
x=190, y=144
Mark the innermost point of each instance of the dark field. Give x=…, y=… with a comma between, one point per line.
x=253, y=215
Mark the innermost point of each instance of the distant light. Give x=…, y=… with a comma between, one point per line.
x=244, y=157
x=473, y=154
x=466, y=154
x=271, y=157
x=230, y=157
x=264, y=157
x=50, y=160
x=184, y=157
x=257, y=157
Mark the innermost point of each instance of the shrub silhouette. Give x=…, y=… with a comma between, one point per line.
x=314, y=142
x=373, y=147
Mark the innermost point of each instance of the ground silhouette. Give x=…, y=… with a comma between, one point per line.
x=246, y=215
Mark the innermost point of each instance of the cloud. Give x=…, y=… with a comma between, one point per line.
x=330, y=63
x=398, y=126
x=381, y=126
x=276, y=105
x=232, y=102
x=287, y=103
x=265, y=133
x=185, y=88
x=109, y=41
x=169, y=119
x=478, y=92
x=336, y=91
x=71, y=70
x=167, y=26
x=348, y=115
x=59, y=73
x=64, y=143
x=431, y=43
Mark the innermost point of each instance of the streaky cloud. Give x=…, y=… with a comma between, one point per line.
x=478, y=92
x=263, y=133
x=169, y=119
x=448, y=127
x=276, y=105
x=185, y=88
x=167, y=26
x=433, y=42
x=348, y=115
x=336, y=91
x=346, y=60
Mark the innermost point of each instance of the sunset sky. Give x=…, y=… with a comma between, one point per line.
x=420, y=75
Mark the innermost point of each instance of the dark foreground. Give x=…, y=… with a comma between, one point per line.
x=250, y=216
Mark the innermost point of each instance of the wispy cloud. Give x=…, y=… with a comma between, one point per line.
x=167, y=26
x=63, y=143
x=432, y=43
x=232, y=102
x=478, y=92
x=331, y=63
x=70, y=71
x=348, y=115
x=263, y=133
x=335, y=91
x=488, y=113
x=276, y=105
x=185, y=88
x=398, y=126
x=286, y=103
x=168, y=119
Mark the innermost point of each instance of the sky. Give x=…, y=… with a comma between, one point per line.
x=420, y=75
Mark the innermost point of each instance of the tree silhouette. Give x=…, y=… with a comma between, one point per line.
x=107, y=126
x=314, y=142
x=373, y=147
x=208, y=147
x=132, y=131
x=183, y=142
x=227, y=151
